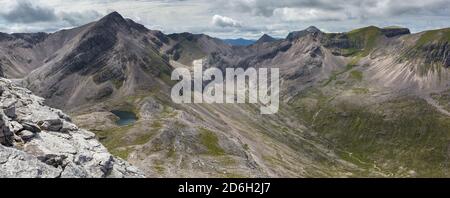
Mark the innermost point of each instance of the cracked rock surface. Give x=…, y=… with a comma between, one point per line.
x=39, y=141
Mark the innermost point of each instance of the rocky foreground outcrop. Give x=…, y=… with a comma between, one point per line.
x=39, y=141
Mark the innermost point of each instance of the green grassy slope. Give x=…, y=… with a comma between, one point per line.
x=402, y=137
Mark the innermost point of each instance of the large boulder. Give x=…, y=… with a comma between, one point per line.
x=51, y=125
x=9, y=107
x=26, y=135
x=6, y=135
x=27, y=125
x=18, y=164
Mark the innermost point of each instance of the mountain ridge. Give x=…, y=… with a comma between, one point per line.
x=239, y=42
x=337, y=88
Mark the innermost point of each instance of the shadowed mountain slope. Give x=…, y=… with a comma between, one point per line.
x=369, y=102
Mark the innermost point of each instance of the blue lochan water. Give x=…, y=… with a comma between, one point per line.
x=125, y=117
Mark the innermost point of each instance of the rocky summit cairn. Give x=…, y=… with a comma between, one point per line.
x=39, y=141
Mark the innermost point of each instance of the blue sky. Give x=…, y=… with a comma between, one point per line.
x=228, y=18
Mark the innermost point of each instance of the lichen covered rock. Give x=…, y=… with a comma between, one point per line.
x=39, y=141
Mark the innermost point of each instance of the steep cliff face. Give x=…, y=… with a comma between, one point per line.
x=432, y=48
x=39, y=141
x=113, y=57
x=18, y=55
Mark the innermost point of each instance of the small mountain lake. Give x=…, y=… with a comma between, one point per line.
x=125, y=117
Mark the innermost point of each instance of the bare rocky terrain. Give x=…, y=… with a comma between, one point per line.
x=372, y=102
x=39, y=141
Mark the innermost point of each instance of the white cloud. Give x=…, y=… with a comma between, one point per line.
x=223, y=21
x=26, y=12
x=357, y=8
x=28, y=16
x=308, y=14
x=79, y=18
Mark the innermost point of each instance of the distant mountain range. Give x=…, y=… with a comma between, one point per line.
x=247, y=42
x=371, y=102
x=239, y=42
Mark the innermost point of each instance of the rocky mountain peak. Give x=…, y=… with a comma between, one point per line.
x=265, y=39
x=113, y=17
x=116, y=22
x=111, y=23
x=312, y=30
x=100, y=38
